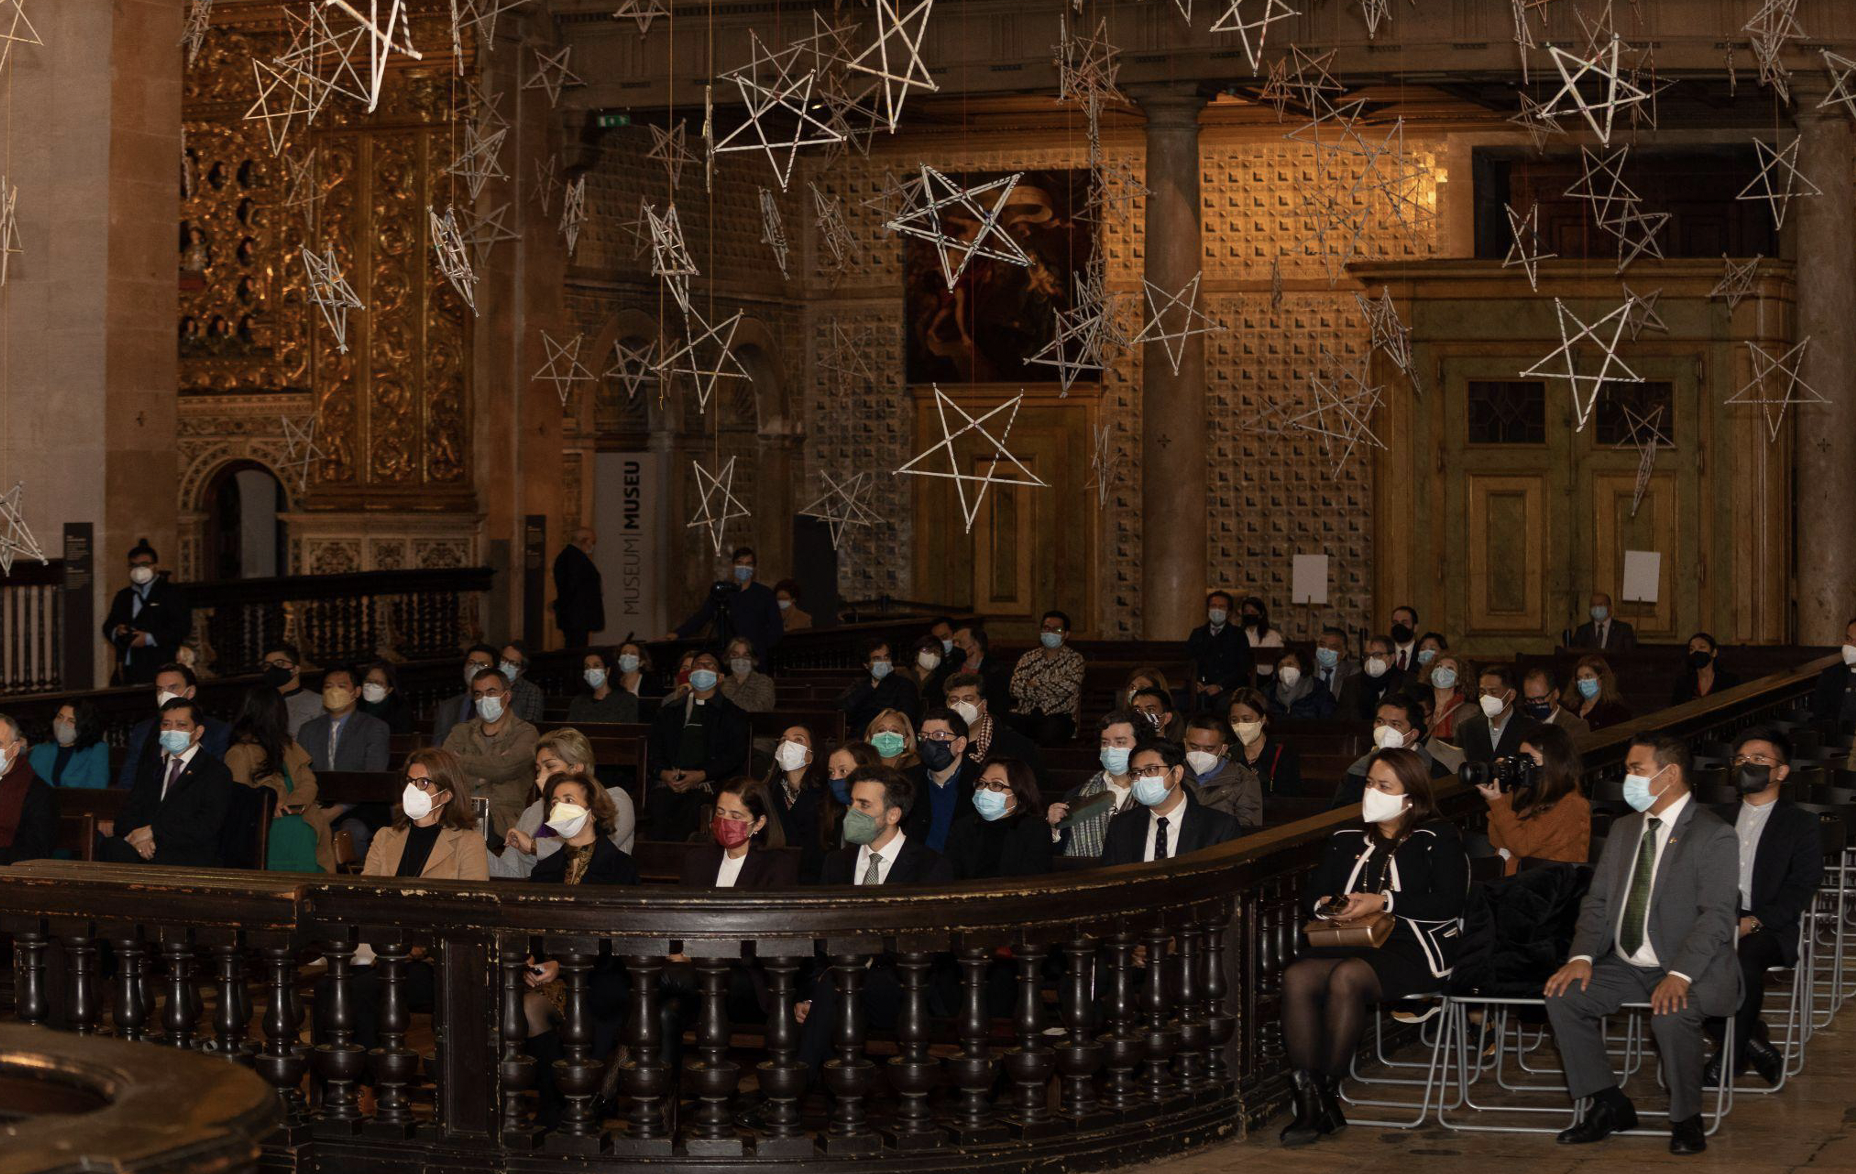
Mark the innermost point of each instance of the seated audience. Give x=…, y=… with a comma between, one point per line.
x=1333, y=666
x=1219, y=651
x=1361, y=693
x=973, y=651
x=1546, y=817
x=1277, y=765
x=1604, y=632
x=1702, y=676
x=1403, y=645
x=1405, y=860
x=28, y=809
x=1221, y=782
x=179, y=802
x=750, y=689
x=631, y=668
x=1298, y=693
x=1087, y=821
x=495, y=750
x=944, y=783
x=283, y=671
x=795, y=786
x=263, y=754
x=341, y=737
x=1254, y=619
x=1047, y=685
x=1669, y=943
x=880, y=689
x=787, y=596
x=559, y=752
x=1441, y=685
x=1540, y=702
x=1001, y=831
x=602, y=702
x=525, y=697
x=1781, y=860
x=1833, y=700
x=942, y=628
x=1498, y=730
x=77, y=755
x=893, y=734
x=455, y=711
x=1398, y=724
x=1168, y=821
x=834, y=801
x=380, y=698
x=987, y=736
x=1594, y=694
x=697, y=740
x=171, y=681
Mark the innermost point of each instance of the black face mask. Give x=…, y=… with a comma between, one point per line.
x=277, y=678
x=1252, y=619
x=1699, y=658
x=1753, y=778
x=1401, y=634
x=1541, y=710
x=938, y=755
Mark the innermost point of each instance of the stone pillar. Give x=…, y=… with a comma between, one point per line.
x=1825, y=545
x=1173, y=521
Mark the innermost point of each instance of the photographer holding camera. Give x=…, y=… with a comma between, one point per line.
x=737, y=607
x=1535, y=808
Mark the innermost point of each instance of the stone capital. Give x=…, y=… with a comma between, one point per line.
x=1172, y=105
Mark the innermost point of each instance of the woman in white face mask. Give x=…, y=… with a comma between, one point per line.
x=380, y=697
x=1297, y=692
x=1404, y=861
x=601, y=701
x=434, y=832
x=563, y=751
x=795, y=784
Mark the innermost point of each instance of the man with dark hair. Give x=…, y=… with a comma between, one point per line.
x=455, y=711
x=1377, y=678
x=945, y=786
x=1219, y=651
x=1155, y=707
x=1169, y=820
x=1333, y=667
x=881, y=688
x=1047, y=685
x=171, y=681
x=579, y=595
x=1079, y=823
x=148, y=620
x=283, y=671
x=341, y=738
x=738, y=606
x=497, y=751
x=1219, y=780
x=987, y=736
x=1398, y=723
x=1498, y=731
x=973, y=651
x=1656, y=926
x=942, y=629
x=1604, y=632
x=1540, y=702
x=1781, y=866
x=524, y=695
x=1404, y=639
x=177, y=809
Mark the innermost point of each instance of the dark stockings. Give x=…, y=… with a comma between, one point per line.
x=1324, y=1007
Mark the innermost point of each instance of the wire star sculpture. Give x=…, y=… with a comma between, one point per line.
x=16, y=540
x=573, y=213
x=670, y=256
x=925, y=220
x=1612, y=369
x=1076, y=347
x=300, y=449
x=783, y=97
x=9, y=227
x=895, y=59
x=199, y=20
x=772, y=231
x=1233, y=20
x=485, y=232
x=1776, y=384
x=329, y=291
x=1775, y=23
x=1344, y=404
x=704, y=370
x=477, y=163
x=1104, y=463
x=970, y=509
x=845, y=356
x=719, y=504
x=19, y=31
x=1376, y=13
x=633, y=367
x=1778, y=179
x=643, y=12
x=552, y=75
x=453, y=255
x=1615, y=92
x=563, y=368
x=1646, y=436
x=1525, y=251
x=843, y=504
x=1188, y=321
x=1736, y=284
x=1842, y=93
x=1538, y=121
x=668, y=147
x=1386, y=333
x=837, y=246
x=383, y=39
x=1643, y=315
x=303, y=191
x=547, y=182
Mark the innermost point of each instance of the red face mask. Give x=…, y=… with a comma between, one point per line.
x=730, y=833
x=683, y=676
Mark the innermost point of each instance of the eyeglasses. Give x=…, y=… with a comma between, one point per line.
x=424, y=784
x=941, y=736
x=279, y=663
x=1001, y=786
x=1752, y=760
x=1156, y=771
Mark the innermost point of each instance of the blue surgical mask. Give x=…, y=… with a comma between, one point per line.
x=879, y=669
x=1443, y=679
x=702, y=680
x=1050, y=639
x=1589, y=687
x=490, y=709
x=1328, y=657
x=1426, y=655
x=1150, y=792
x=1114, y=759
x=595, y=677
x=841, y=790
x=743, y=574
x=990, y=804
x=889, y=743
x=1637, y=790
x=628, y=663
x=1599, y=613
x=947, y=645
x=176, y=741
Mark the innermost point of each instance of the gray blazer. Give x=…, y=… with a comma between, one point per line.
x=1692, y=906
x=363, y=744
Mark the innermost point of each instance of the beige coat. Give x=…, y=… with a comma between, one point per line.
x=244, y=758
x=500, y=769
x=458, y=855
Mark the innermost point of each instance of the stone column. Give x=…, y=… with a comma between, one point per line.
x=1173, y=521
x=1825, y=546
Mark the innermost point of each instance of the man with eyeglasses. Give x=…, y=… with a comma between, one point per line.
x=1781, y=867
x=283, y=672
x=496, y=750
x=945, y=787
x=454, y=711
x=1169, y=821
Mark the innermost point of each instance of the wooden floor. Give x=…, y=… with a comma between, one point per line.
x=1808, y=1126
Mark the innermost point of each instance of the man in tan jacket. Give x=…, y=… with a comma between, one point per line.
x=497, y=750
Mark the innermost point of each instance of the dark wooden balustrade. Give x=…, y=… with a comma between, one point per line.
x=32, y=627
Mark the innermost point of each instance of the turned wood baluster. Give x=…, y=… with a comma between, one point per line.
x=516, y=1068
x=850, y=1075
x=282, y=1063
x=646, y=1078
x=576, y=1073
x=29, y=973
x=1031, y=1063
x=1216, y=991
x=712, y=1075
x=396, y=1066
x=973, y=1067
x=912, y=1072
x=339, y=1060
x=130, y=1014
x=782, y=1076
x=232, y=1015
x=1123, y=1046
x=1162, y=1032
x=82, y=1007
x=1189, y=1065
x=1079, y=1055
x=182, y=1012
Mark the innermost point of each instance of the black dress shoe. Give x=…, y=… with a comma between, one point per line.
x=1601, y=1121
x=1766, y=1060
x=1686, y=1137
x=1711, y=1073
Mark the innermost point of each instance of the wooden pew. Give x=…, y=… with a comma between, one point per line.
x=80, y=810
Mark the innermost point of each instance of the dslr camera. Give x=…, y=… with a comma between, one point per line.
x=1515, y=773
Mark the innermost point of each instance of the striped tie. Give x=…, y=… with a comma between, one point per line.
x=1637, y=906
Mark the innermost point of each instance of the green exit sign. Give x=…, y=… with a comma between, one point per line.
x=611, y=118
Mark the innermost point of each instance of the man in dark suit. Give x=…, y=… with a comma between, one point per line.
x=1833, y=699
x=944, y=782
x=455, y=711
x=1499, y=730
x=973, y=651
x=877, y=852
x=1361, y=692
x=1602, y=631
x=1781, y=867
x=740, y=607
x=1169, y=821
x=987, y=736
x=179, y=804
x=149, y=619
x=343, y=738
x=1333, y=668
x=698, y=741
x=1656, y=926
x=579, y=597
x=171, y=681
x=1220, y=654
x=883, y=688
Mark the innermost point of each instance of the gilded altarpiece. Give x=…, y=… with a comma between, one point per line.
x=391, y=487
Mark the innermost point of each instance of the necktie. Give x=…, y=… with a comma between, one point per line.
x=1637, y=905
x=175, y=766
x=1401, y=662
x=873, y=874
x=335, y=736
x=1160, y=837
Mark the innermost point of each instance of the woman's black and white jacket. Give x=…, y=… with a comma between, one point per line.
x=1425, y=883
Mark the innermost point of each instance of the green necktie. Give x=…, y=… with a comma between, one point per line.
x=1637, y=906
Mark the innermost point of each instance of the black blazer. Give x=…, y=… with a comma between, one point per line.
x=917, y=864
x=1831, y=698
x=609, y=866
x=1622, y=637
x=725, y=738
x=1788, y=867
x=1427, y=880
x=1472, y=737
x=187, y=823
x=863, y=701
x=1686, y=684
x=37, y=833
x=1022, y=843
x=579, y=600
x=1360, y=694
x=1223, y=660
x=167, y=615
x=761, y=869
x=1125, y=842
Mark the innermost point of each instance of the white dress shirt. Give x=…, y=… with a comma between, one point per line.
x=167, y=765
x=1646, y=953
x=886, y=859
x=1173, y=819
x=730, y=870
x=1749, y=824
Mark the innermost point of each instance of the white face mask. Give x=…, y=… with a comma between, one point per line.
x=373, y=694
x=791, y=756
x=1375, y=666
x=1849, y=654
x=470, y=672
x=162, y=697
x=566, y=819
x=141, y=576
x=741, y=666
x=1289, y=675
x=1493, y=706
x=1247, y=732
x=1387, y=738
x=415, y=803
x=1376, y=806
x=969, y=712
x=491, y=709
x=1202, y=762
x=1216, y=616
x=928, y=660
x=785, y=604
x=64, y=732
x=594, y=678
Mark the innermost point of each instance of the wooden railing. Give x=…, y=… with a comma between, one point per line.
x=1163, y=1031
x=32, y=628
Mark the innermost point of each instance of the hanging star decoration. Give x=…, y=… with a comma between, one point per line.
x=707, y=357
x=772, y=231
x=1769, y=28
x=633, y=367
x=547, y=182
x=895, y=59
x=667, y=147
x=1254, y=28
x=477, y=163
x=1115, y=188
x=1104, y=463
x=719, y=504
x=551, y=74
x=1341, y=415
x=9, y=227
x=1525, y=251
x=843, y=504
x=1172, y=318
x=643, y=12
x=283, y=97
x=1584, y=384
x=563, y=368
x=1076, y=346
x=1636, y=232
x=300, y=449
x=199, y=20
x=485, y=232
x=19, y=30
x=996, y=453
x=1736, y=283
x=303, y=191
x=1643, y=315
x=1313, y=80
x=384, y=38
x=16, y=540
x=776, y=95
x=484, y=107
x=1538, y=121
x=453, y=255
x=573, y=213
x=926, y=221
x=1086, y=72
x=837, y=247
x=1376, y=13
x=330, y=292
x=670, y=255
x=1616, y=207
x=481, y=14
x=1842, y=92
x=1388, y=334
x=1776, y=384
x=845, y=356
x=1778, y=180
x=1615, y=92
x=1646, y=436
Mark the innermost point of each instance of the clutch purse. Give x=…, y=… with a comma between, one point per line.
x=1369, y=932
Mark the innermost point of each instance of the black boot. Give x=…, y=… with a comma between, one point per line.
x=1305, y=1126
x=1334, y=1119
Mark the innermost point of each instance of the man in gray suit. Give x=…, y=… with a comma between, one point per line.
x=343, y=738
x=1658, y=925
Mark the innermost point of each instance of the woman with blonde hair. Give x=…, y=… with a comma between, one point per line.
x=563, y=751
x=893, y=735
